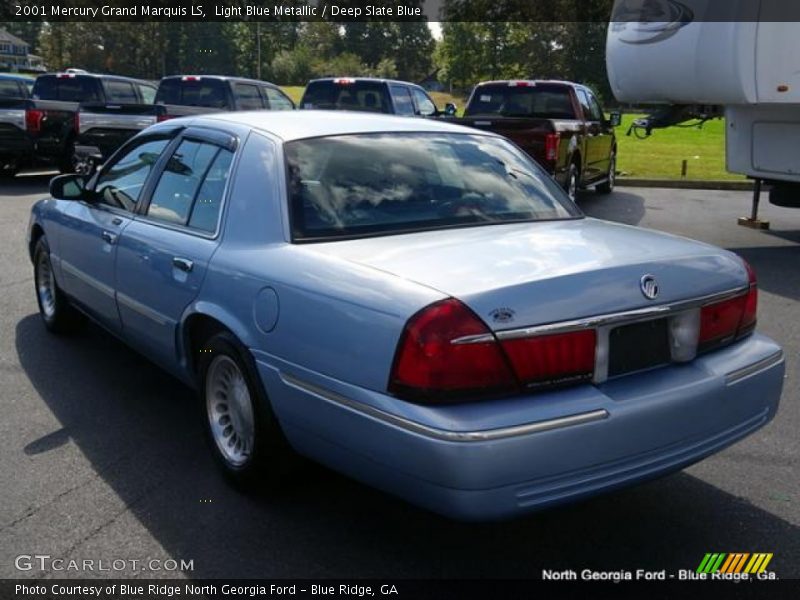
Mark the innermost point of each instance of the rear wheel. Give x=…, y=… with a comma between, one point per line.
x=58, y=315
x=242, y=431
x=608, y=185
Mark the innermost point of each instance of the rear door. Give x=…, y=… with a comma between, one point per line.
x=165, y=251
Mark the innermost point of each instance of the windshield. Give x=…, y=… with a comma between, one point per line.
x=375, y=184
x=539, y=101
x=348, y=94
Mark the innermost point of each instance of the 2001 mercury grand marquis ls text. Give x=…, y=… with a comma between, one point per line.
x=413, y=303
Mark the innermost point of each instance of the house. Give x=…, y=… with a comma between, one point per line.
x=15, y=54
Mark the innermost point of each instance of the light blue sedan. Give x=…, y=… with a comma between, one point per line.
x=410, y=302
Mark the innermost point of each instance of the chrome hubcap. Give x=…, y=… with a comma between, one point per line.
x=230, y=411
x=572, y=187
x=46, y=286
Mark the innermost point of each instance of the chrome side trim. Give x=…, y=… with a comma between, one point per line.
x=13, y=117
x=442, y=434
x=143, y=310
x=641, y=314
x=86, y=278
x=756, y=367
x=90, y=120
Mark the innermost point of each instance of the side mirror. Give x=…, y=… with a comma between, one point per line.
x=68, y=187
x=615, y=119
x=450, y=109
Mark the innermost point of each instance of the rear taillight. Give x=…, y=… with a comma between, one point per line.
x=728, y=320
x=433, y=365
x=551, y=143
x=33, y=120
x=550, y=360
x=446, y=353
x=162, y=118
x=190, y=78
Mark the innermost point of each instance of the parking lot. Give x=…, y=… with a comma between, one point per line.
x=102, y=456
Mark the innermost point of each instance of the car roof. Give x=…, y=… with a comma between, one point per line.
x=108, y=76
x=224, y=78
x=530, y=81
x=294, y=125
x=15, y=77
x=372, y=79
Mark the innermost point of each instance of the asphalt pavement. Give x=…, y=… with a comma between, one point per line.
x=102, y=455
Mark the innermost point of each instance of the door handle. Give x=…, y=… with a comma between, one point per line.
x=184, y=264
x=109, y=237
x=116, y=221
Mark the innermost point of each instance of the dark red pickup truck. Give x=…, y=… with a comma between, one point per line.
x=558, y=123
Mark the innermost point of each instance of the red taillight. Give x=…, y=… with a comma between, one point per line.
x=33, y=120
x=162, y=118
x=190, y=78
x=521, y=84
x=429, y=366
x=344, y=81
x=551, y=143
x=725, y=321
x=556, y=359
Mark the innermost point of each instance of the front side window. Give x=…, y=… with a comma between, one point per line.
x=248, y=97
x=189, y=191
x=148, y=93
x=426, y=106
x=120, y=91
x=120, y=185
x=276, y=99
x=376, y=184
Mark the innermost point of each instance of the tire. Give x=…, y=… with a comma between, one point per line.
x=245, y=437
x=608, y=185
x=58, y=315
x=573, y=182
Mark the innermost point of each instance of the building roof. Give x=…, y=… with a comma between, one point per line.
x=5, y=36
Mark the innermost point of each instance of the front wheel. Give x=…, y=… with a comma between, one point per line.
x=608, y=185
x=243, y=433
x=58, y=315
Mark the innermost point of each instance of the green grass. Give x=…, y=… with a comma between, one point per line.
x=660, y=156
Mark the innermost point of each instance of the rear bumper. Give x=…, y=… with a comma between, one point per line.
x=504, y=458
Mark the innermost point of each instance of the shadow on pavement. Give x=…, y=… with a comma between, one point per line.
x=26, y=184
x=137, y=426
x=777, y=267
x=619, y=206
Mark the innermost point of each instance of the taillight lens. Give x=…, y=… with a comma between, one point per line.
x=446, y=354
x=550, y=360
x=33, y=120
x=551, y=143
x=430, y=367
x=161, y=118
x=728, y=320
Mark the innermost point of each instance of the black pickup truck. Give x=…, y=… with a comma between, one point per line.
x=105, y=127
x=558, y=123
x=370, y=94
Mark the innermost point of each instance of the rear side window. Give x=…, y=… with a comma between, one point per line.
x=11, y=89
x=403, y=104
x=147, y=92
x=535, y=101
x=200, y=91
x=247, y=97
x=191, y=187
x=120, y=91
x=347, y=94
x=276, y=100
x=74, y=88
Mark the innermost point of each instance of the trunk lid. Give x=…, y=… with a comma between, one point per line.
x=521, y=275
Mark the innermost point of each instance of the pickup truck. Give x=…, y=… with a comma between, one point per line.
x=57, y=97
x=560, y=124
x=105, y=127
x=371, y=94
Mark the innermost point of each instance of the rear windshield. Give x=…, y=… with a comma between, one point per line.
x=210, y=93
x=74, y=88
x=12, y=89
x=375, y=184
x=540, y=101
x=368, y=96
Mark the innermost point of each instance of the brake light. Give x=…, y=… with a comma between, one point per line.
x=549, y=360
x=164, y=117
x=190, y=78
x=344, y=81
x=65, y=76
x=430, y=367
x=725, y=321
x=521, y=84
x=551, y=144
x=33, y=120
